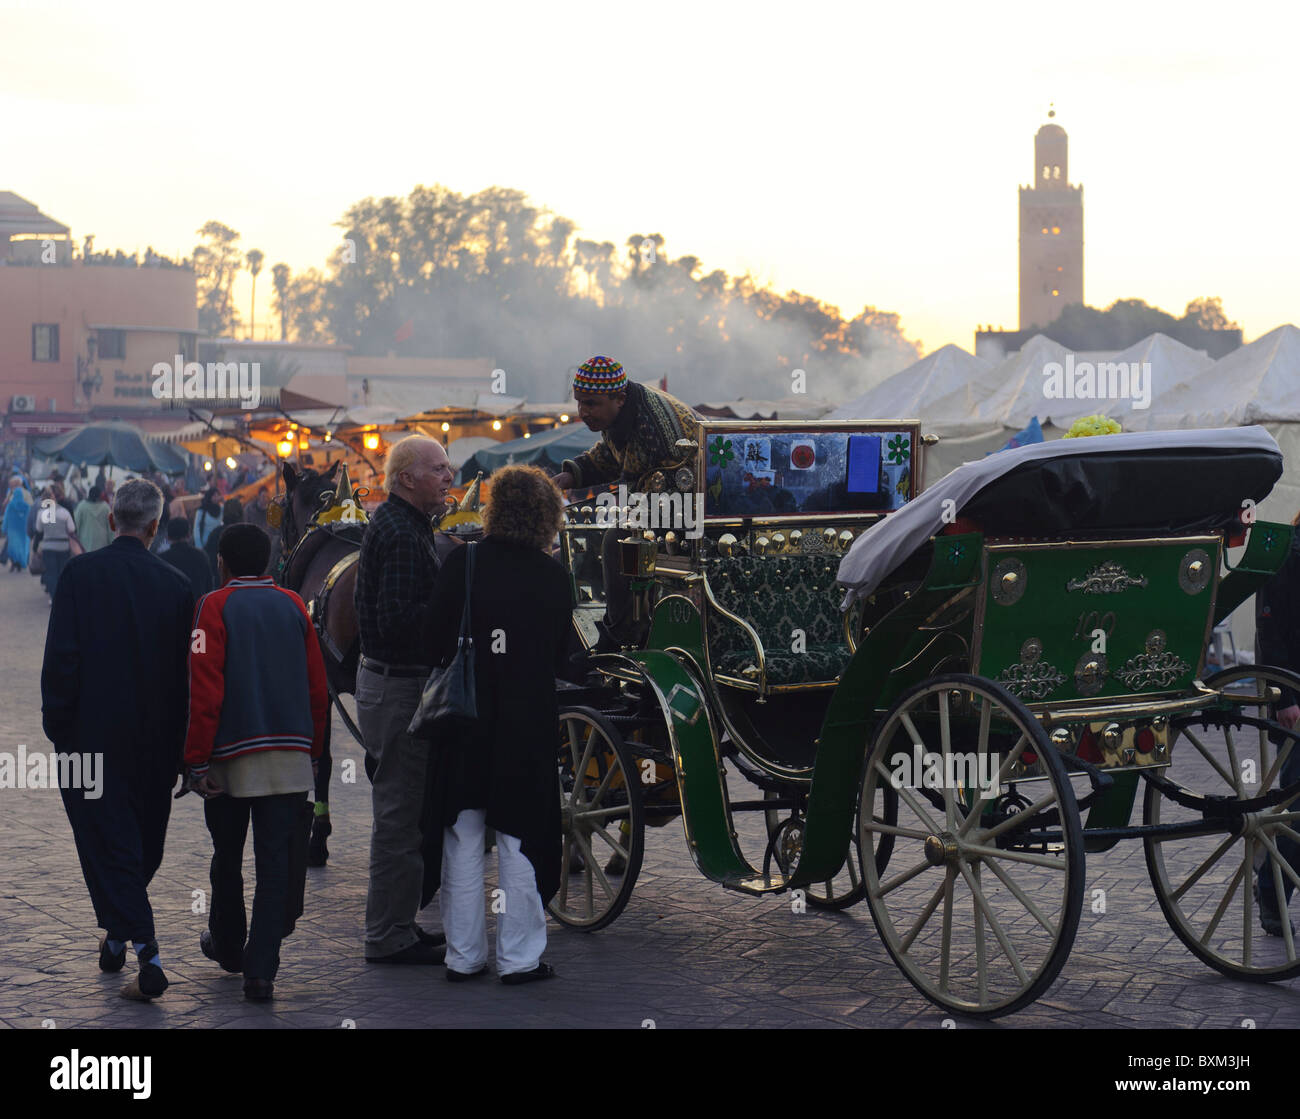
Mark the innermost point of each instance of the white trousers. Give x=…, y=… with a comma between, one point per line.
x=521, y=921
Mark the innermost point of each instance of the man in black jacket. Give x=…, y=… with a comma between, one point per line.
x=186, y=558
x=396, y=572
x=115, y=698
x=1277, y=621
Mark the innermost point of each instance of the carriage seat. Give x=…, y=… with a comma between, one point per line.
x=778, y=595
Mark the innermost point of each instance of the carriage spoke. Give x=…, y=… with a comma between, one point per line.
x=1266, y=782
x=603, y=787
x=902, y=879
x=617, y=847
x=987, y=794
x=1279, y=862
x=1013, y=856
x=891, y=829
x=971, y=874
x=1195, y=877
x=906, y=942
x=1275, y=865
x=1223, y=905
x=945, y=752
x=586, y=754
x=1020, y=895
x=1209, y=757
x=602, y=813
x=592, y=869
x=1236, y=765
x=1247, y=897
x=912, y=803
x=1020, y=817
x=981, y=960
x=945, y=958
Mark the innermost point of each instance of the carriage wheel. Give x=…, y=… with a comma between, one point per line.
x=1207, y=885
x=602, y=820
x=983, y=907
x=785, y=843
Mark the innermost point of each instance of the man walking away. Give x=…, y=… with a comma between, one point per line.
x=258, y=707
x=113, y=695
x=186, y=558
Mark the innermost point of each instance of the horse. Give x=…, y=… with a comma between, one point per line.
x=319, y=563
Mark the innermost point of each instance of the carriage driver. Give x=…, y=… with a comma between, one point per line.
x=639, y=429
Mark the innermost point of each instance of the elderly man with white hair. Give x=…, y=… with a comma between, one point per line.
x=397, y=569
x=115, y=698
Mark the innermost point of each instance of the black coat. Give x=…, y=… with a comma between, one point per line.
x=115, y=675
x=1277, y=618
x=188, y=560
x=521, y=619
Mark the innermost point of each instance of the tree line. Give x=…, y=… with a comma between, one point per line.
x=490, y=274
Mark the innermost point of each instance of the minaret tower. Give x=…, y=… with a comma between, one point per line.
x=1051, y=232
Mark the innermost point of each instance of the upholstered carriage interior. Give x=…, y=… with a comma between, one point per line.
x=778, y=596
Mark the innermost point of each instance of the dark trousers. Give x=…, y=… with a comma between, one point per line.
x=273, y=820
x=119, y=841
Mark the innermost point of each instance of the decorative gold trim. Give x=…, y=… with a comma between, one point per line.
x=1031, y=680
x=1108, y=577
x=1148, y=670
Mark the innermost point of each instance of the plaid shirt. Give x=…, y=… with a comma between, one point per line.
x=395, y=578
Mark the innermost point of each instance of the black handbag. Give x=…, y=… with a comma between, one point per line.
x=448, y=695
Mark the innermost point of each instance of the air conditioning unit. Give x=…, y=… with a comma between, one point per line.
x=23, y=404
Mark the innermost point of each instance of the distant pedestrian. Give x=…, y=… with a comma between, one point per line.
x=207, y=519
x=232, y=513
x=57, y=530
x=17, y=506
x=187, y=559
x=258, y=709
x=91, y=519
x=114, y=692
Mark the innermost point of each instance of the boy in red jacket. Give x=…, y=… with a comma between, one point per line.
x=258, y=711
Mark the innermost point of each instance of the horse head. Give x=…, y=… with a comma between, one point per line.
x=302, y=501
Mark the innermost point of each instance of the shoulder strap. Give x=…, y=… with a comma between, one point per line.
x=466, y=631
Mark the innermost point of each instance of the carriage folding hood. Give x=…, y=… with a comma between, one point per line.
x=884, y=546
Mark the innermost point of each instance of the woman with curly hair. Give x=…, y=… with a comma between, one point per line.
x=502, y=773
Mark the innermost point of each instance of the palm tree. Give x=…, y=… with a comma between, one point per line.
x=280, y=281
x=254, y=258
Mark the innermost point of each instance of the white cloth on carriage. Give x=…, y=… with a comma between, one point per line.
x=886, y=544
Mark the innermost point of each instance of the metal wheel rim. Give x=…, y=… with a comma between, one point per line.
x=594, y=812
x=1206, y=886
x=844, y=890
x=1022, y=906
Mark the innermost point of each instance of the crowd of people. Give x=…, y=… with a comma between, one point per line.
x=215, y=673
x=223, y=682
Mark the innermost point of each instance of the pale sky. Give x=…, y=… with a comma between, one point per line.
x=859, y=152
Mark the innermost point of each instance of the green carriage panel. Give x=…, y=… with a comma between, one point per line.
x=1096, y=620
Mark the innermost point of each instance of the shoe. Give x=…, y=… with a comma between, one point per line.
x=417, y=953
x=617, y=865
x=317, y=852
x=434, y=940
x=465, y=976
x=541, y=971
x=208, y=949
x=259, y=990
x=149, y=983
x=108, y=961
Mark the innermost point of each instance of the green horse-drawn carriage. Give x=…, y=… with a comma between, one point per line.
x=944, y=701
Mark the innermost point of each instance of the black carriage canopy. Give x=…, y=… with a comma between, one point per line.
x=1160, y=482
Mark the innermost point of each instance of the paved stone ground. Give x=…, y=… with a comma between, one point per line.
x=684, y=953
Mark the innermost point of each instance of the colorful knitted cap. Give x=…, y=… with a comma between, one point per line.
x=600, y=374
